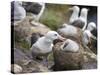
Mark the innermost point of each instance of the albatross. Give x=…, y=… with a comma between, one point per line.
x=87, y=33
x=35, y=8
x=44, y=45
x=68, y=30
x=81, y=21
x=17, y=11
x=75, y=14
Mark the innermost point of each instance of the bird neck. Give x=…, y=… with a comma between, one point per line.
x=41, y=11
x=84, y=15
x=74, y=15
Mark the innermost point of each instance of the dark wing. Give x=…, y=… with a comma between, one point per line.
x=78, y=23
x=34, y=8
x=35, y=37
x=18, y=55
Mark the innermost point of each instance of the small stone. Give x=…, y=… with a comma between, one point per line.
x=16, y=68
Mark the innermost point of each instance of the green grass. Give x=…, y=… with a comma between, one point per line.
x=51, y=20
x=20, y=42
x=24, y=45
x=54, y=16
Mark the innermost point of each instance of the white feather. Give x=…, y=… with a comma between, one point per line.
x=37, y=17
x=19, y=11
x=75, y=14
x=83, y=17
x=72, y=46
x=87, y=33
x=68, y=30
x=45, y=43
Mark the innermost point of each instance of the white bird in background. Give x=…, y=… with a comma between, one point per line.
x=68, y=30
x=36, y=8
x=70, y=45
x=15, y=68
x=17, y=11
x=87, y=34
x=81, y=21
x=44, y=45
x=75, y=14
x=41, y=12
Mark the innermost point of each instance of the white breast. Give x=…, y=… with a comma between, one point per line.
x=72, y=46
x=19, y=12
x=86, y=37
x=68, y=30
x=43, y=47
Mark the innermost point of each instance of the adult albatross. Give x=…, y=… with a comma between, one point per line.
x=81, y=21
x=75, y=14
x=87, y=33
x=17, y=11
x=43, y=45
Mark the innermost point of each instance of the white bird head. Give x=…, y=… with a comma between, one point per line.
x=18, y=3
x=84, y=12
x=75, y=13
x=41, y=3
x=75, y=8
x=91, y=26
x=53, y=35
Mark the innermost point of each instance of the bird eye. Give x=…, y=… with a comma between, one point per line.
x=55, y=34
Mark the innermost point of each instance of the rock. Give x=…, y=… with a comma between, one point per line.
x=90, y=59
x=39, y=28
x=50, y=60
x=22, y=29
x=93, y=45
x=18, y=55
x=34, y=66
x=28, y=65
x=91, y=65
x=16, y=68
